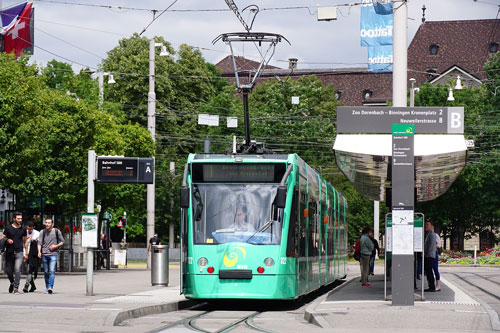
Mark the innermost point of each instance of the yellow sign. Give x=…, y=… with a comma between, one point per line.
x=231, y=256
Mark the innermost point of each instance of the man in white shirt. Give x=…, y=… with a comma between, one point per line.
x=31, y=256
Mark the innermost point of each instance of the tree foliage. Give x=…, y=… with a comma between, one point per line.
x=471, y=204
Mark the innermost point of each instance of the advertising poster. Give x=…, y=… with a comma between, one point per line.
x=89, y=230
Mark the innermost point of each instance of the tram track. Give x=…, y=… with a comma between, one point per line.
x=477, y=286
x=192, y=323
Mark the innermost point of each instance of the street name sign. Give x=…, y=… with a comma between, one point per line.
x=125, y=170
x=379, y=120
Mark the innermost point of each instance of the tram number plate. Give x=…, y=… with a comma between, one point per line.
x=235, y=274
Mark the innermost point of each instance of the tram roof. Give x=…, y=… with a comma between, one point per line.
x=245, y=156
x=364, y=160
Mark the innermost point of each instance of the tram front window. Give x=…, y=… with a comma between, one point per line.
x=236, y=213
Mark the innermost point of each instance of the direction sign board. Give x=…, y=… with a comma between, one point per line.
x=427, y=120
x=125, y=170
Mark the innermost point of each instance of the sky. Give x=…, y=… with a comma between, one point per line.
x=81, y=32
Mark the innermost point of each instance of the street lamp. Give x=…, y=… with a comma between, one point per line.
x=111, y=80
x=150, y=199
x=450, y=95
x=412, y=92
x=458, y=86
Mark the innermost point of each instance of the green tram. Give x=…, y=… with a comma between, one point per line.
x=259, y=227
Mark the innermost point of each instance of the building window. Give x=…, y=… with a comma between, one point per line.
x=430, y=73
x=493, y=47
x=434, y=49
x=367, y=93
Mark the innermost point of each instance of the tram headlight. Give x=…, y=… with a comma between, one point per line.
x=202, y=261
x=269, y=262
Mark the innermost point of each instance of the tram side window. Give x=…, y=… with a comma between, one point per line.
x=314, y=232
x=302, y=236
x=323, y=229
x=291, y=249
x=331, y=221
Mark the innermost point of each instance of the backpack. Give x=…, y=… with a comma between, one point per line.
x=42, y=237
x=357, y=250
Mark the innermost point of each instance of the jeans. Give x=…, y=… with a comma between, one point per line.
x=435, y=267
x=372, y=264
x=49, y=269
x=13, y=264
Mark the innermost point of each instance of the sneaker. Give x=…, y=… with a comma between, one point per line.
x=33, y=288
x=16, y=292
x=50, y=291
x=430, y=290
x=366, y=285
x=11, y=288
x=25, y=289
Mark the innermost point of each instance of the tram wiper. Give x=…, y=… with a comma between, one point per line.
x=261, y=229
x=228, y=230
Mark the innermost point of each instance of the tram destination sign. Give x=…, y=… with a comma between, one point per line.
x=125, y=170
x=427, y=120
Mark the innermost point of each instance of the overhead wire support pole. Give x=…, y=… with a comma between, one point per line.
x=245, y=92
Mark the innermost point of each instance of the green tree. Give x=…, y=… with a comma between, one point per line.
x=471, y=204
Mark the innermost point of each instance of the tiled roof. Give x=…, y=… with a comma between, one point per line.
x=226, y=65
x=462, y=43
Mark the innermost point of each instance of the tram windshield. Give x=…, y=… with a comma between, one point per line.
x=224, y=213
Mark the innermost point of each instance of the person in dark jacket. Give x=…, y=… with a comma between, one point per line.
x=430, y=255
x=31, y=257
x=15, y=234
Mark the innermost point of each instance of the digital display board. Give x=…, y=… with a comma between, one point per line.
x=125, y=170
x=238, y=172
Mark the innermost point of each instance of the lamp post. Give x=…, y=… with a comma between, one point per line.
x=458, y=86
x=111, y=80
x=150, y=210
x=412, y=92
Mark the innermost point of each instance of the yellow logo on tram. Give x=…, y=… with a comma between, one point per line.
x=231, y=256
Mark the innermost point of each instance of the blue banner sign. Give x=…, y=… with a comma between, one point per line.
x=376, y=29
x=380, y=58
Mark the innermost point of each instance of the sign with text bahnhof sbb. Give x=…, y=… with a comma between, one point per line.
x=125, y=170
x=427, y=120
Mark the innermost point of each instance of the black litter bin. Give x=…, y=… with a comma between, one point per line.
x=159, y=265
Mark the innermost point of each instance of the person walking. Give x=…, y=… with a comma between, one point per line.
x=15, y=234
x=50, y=240
x=375, y=252
x=366, y=248
x=31, y=256
x=430, y=255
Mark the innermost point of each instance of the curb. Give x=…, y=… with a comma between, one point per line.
x=316, y=318
x=116, y=317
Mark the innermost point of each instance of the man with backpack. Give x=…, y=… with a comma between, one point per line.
x=50, y=240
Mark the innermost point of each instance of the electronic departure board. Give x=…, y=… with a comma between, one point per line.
x=126, y=170
x=238, y=172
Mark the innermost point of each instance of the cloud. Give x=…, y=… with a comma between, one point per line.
x=322, y=44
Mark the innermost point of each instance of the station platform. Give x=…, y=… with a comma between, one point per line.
x=126, y=293
x=353, y=308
